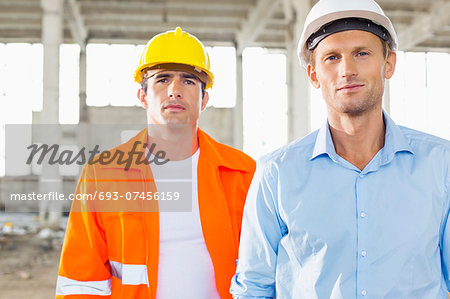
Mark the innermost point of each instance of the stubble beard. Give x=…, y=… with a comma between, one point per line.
x=357, y=106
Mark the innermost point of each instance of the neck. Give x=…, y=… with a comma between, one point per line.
x=177, y=142
x=357, y=138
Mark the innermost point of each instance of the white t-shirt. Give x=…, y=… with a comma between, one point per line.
x=185, y=268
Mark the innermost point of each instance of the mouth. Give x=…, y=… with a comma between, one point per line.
x=350, y=88
x=174, y=107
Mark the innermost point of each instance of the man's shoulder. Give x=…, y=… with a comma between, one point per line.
x=231, y=151
x=225, y=155
x=419, y=140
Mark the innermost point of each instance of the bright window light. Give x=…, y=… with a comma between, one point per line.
x=438, y=97
x=419, y=96
x=20, y=90
x=110, y=71
x=98, y=81
x=408, y=90
x=265, y=101
x=19, y=96
x=124, y=89
x=69, y=100
x=223, y=66
x=318, y=108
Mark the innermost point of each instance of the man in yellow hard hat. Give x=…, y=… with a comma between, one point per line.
x=162, y=241
x=360, y=207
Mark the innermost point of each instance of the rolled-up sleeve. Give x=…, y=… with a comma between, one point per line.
x=262, y=230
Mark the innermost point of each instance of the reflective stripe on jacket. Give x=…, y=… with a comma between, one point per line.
x=115, y=254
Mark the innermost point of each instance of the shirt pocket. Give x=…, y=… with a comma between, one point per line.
x=125, y=237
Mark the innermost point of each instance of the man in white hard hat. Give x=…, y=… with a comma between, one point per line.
x=359, y=208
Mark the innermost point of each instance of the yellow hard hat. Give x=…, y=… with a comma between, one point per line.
x=175, y=46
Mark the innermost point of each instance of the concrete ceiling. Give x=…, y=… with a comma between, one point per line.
x=422, y=25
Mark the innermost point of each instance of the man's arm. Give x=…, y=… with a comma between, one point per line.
x=262, y=229
x=445, y=237
x=84, y=270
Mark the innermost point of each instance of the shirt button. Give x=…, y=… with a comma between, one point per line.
x=363, y=214
x=364, y=292
x=361, y=175
x=363, y=253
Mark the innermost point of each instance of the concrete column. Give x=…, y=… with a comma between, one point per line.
x=52, y=37
x=299, y=102
x=83, y=130
x=84, y=117
x=238, y=111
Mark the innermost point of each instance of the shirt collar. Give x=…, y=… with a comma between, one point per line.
x=324, y=143
x=395, y=141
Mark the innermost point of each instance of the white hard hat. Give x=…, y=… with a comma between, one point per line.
x=326, y=11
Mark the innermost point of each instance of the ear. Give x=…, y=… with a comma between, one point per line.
x=142, y=98
x=205, y=100
x=312, y=75
x=389, y=66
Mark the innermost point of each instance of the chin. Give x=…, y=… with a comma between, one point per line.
x=356, y=109
x=178, y=125
x=354, y=113
x=174, y=125
x=356, y=105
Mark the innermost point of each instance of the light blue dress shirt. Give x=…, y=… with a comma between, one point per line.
x=315, y=226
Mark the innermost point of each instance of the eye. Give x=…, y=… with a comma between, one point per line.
x=190, y=82
x=162, y=80
x=362, y=54
x=331, y=58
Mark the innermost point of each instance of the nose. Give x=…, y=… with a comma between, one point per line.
x=174, y=90
x=347, y=67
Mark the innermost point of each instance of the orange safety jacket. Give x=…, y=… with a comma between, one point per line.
x=115, y=254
